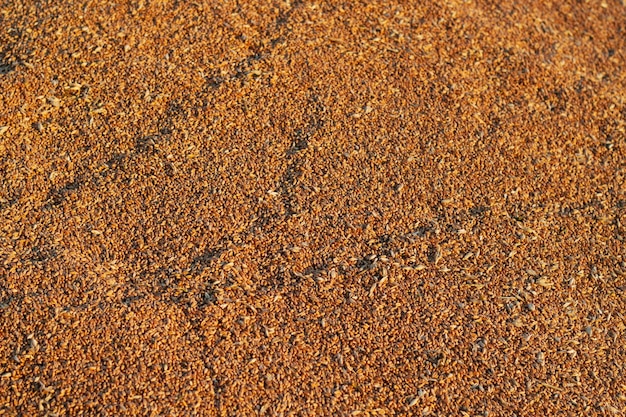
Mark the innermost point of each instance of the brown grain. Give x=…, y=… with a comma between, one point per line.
x=303, y=208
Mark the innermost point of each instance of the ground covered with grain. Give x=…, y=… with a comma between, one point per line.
x=307, y=208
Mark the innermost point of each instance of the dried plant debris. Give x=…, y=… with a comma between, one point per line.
x=300, y=208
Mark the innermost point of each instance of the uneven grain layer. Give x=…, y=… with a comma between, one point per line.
x=312, y=208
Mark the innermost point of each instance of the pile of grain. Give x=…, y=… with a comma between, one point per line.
x=312, y=208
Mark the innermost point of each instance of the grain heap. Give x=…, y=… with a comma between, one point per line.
x=312, y=208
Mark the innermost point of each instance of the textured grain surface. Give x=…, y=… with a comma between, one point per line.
x=312, y=208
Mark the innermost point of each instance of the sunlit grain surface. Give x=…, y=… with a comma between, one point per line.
x=308, y=208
